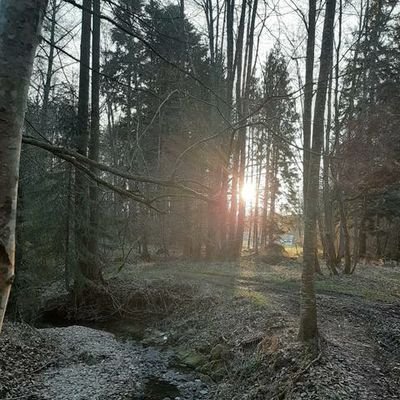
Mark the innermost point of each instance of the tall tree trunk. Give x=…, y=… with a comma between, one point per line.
x=212, y=226
x=49, y=72
x=356, y=230
x=224, y=214
x=230, y=8
x=215, y=164
x=264, y=231
x=84, y=271
x=94, y=146
x=234, y=198
x=256, y=210
x=242, y=204
x=308, y=312
x=68, y=229
x=346, y=235
x=212, y=43
x=144, y=253
x=308, y=91
x=20, y=23
x=308, y=97
x=273, y=187
x=362, y=238
x=236, y=214
x=327, y=192
x=243, y=107
x=250, y=228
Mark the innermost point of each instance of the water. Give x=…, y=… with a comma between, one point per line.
x=156, y=383
x=157, y=389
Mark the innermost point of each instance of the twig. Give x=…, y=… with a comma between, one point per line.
x=297, y=376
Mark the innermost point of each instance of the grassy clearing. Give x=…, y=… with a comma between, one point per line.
x=372, y=283
x=251, y=278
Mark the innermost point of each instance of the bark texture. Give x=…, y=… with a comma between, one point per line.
x=308, y=313
x=20, y=23
x=94, y=144
x=86, y=270
x=308, y=90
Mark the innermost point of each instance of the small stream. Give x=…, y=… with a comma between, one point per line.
x=123, y=358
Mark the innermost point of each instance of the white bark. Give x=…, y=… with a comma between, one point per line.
x=20, y=22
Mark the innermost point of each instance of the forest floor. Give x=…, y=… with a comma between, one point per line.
x=220, y=331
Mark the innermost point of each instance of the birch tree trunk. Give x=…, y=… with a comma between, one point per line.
x=20, y=22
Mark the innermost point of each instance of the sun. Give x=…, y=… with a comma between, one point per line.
x=248, y=192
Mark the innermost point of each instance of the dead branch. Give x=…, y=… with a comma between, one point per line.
x=79, y=161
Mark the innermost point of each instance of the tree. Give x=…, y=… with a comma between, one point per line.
x=94, y=144
x=85, y=269
x=50, y=66
x=366, y=174
x=308, y=313
x=20, y=22
x=279, y=118
x=308, y=90
x=162, y=112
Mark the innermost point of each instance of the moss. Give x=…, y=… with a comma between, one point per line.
x=220, y=352
x=190, y=358
x=216, y=369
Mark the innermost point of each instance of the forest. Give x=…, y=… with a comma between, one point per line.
x=200, y=199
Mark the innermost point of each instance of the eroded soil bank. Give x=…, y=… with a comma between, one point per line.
x=217, y=331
